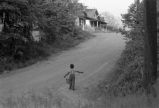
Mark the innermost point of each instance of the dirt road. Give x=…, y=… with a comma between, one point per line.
x=95, y=57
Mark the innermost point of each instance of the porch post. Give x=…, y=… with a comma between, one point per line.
x=83, y=24
x=92, y=23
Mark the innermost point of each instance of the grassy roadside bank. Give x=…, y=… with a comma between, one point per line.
x=110, y=96
x=122, y=87
x=130, y=101
x=44, y=51
x=125, y=88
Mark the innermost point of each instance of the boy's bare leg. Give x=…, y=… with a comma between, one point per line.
x=70, y=85
x=73, y=84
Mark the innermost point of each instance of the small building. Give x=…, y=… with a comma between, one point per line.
x=91, y=20
x=102, y=24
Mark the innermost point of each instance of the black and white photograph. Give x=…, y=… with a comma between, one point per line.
x=79, y=53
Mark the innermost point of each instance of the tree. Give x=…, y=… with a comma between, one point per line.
x=21, y=17
x=15, y=15
x=141, y=19
x=18, y=19
x=58, y=18
x=134, y=21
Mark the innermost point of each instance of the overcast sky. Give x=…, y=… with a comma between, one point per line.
x=115, y=7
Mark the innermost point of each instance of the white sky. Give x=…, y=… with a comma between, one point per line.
x=115, y=7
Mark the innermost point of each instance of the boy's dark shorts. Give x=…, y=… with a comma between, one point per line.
x=72, y=77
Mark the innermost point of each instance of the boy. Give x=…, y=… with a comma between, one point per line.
x=71, y=74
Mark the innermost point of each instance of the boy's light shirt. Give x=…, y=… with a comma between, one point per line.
x=72, y=71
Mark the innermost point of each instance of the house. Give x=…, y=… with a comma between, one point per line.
x=92, y=17
x=91, y=20
x=81, y=20
x=102, y=24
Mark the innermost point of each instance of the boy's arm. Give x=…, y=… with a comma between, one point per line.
x=79, y=72
x=66, y=74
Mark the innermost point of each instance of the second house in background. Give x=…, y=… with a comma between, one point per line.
x=90, y=20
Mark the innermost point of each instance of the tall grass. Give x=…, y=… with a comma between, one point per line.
x=33, y=100
x=51, y=100
x=47, y=99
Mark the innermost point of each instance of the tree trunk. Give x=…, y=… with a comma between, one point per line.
x=150, y=66
x=158, y=37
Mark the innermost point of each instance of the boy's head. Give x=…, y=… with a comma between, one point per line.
x=71, y=66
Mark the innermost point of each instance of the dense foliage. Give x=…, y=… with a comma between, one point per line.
x=53, y=20
x=57, y=18
x=129, y=70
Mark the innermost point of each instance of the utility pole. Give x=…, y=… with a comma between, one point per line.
x=150, y=39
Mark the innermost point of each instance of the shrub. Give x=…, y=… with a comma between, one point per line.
x=129, y=70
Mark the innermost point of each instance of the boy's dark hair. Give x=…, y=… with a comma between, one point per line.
x=71, y=66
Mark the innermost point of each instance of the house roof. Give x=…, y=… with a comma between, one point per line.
x=92, y=13
x=82, y=15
